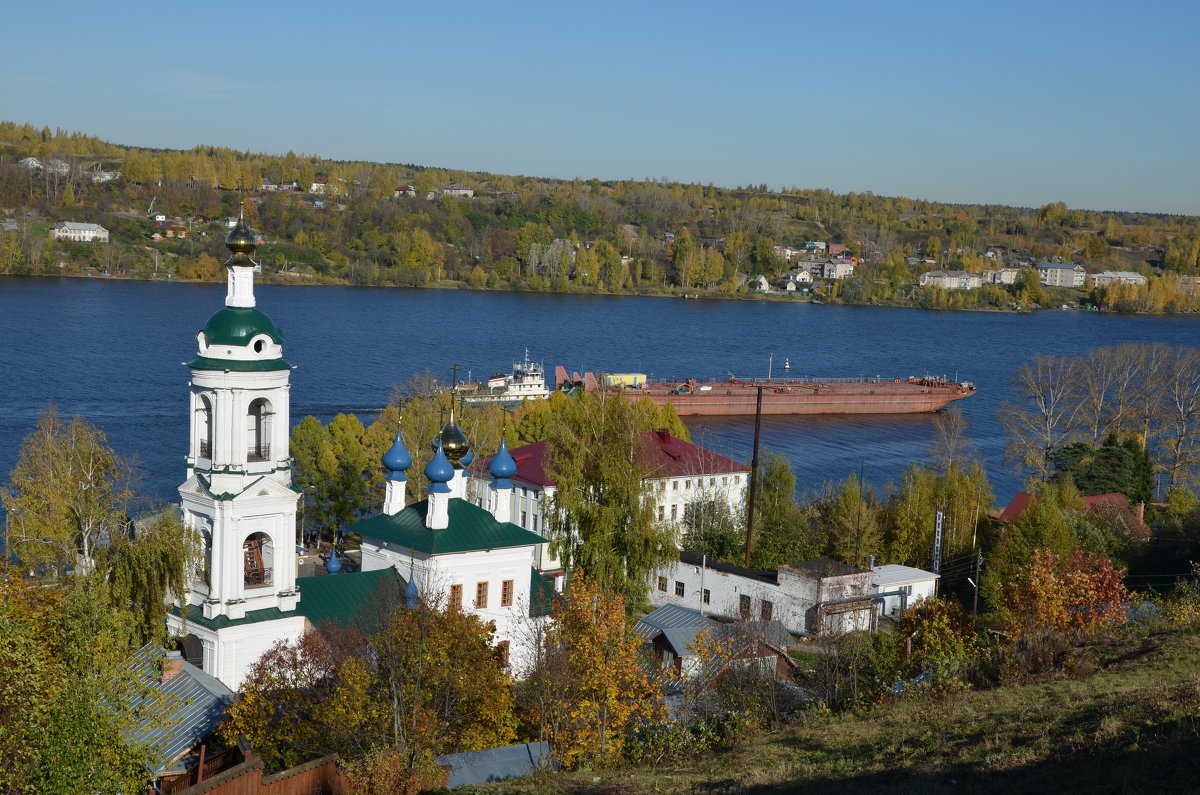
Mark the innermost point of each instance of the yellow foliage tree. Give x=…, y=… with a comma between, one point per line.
x=593, y=688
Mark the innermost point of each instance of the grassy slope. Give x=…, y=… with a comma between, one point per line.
x=1127, y=721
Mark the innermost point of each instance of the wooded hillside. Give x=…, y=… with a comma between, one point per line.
x=347, y=221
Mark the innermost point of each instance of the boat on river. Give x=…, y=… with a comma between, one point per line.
x=527, y=381
x=780, y=396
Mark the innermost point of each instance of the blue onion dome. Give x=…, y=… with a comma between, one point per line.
x=412, y=594
x=439, y=471
x=466, y=460
x=503, y=466
x=397, y=458
x=334, y=564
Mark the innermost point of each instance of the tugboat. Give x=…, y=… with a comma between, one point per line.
x=527, y=381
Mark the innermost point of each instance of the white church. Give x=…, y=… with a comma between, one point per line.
x=239, y=497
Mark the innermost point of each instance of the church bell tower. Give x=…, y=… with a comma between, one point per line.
x=238, y=495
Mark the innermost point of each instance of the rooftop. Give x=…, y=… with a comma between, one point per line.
x=338, y=598
x=664, y=455
x=895, y=574
x=183, y=710
x=471, y=529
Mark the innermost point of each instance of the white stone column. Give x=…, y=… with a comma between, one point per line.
x=241, y=286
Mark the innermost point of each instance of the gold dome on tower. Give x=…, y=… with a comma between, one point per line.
x=241, y=239
x=454, y=442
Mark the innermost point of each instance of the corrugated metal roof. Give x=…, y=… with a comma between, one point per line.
x=895, y=574
x=182, y=710
x=670, y=617
x=471, y=529
x=497, y=764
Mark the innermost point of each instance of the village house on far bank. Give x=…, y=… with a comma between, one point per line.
x=1062, y=274
x=79, y=232
x=810, y=598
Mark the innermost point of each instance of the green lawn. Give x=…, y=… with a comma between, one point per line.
x=1124, y=718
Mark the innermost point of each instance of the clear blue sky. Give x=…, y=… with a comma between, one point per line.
x=1095, y=104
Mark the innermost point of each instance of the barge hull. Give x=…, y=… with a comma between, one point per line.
x=738, y=403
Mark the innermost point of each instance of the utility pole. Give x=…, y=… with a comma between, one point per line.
x=753, y=475
x=978, y=570
x=937, y=543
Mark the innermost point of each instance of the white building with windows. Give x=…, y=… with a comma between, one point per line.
x=1105, y=278
x=1062, y=274
x=457, y=554
x=680, y=473
x=812, y=597
x=914, y=585
x=79, y=232
x=951, y=280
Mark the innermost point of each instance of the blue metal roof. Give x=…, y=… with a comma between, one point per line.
x=497, y=764
x=181, y=711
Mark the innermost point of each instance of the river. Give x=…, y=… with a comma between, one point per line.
x=112, y=351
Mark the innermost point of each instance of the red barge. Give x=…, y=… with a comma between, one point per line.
x=737, y=396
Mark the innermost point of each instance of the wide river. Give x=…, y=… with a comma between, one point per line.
x=111, y=351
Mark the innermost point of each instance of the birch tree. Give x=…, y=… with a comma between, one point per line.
x=1046, y=419
x=69, y=494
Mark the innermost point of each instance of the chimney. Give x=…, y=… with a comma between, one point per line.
x=871, y=562
x=172, y=666
x=1141, y=512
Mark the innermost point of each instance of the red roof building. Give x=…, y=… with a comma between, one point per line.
x=680, y=473
x=1114, y=501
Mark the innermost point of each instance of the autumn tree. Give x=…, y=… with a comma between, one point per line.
x=1046, y=419
x=852, y=519
x=69, y=494
x=712, y=528
x=1076, y=591
x=937, y=636
x=67, y=696
x=593, y=690
x=330, y=467
x=782, y=528
x=419, y=683
x=602, y=515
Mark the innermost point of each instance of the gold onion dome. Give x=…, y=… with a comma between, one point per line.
x=240, y=239
x=453, y=441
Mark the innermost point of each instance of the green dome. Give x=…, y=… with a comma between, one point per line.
x=235, y=325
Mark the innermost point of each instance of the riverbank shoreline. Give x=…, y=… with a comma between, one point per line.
x=680, y=295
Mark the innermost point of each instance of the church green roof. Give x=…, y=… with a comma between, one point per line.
x=340, y=598
x=471, y=529
x=261, y=365
x=237, y=325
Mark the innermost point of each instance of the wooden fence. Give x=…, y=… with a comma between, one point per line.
x=318, y=777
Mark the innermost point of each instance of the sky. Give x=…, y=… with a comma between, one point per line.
x=1020, y=103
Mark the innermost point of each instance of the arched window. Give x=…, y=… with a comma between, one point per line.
x=204, y=427
x=204, y=565
x=192, y=649
x=260, y=560
x=258, y=430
